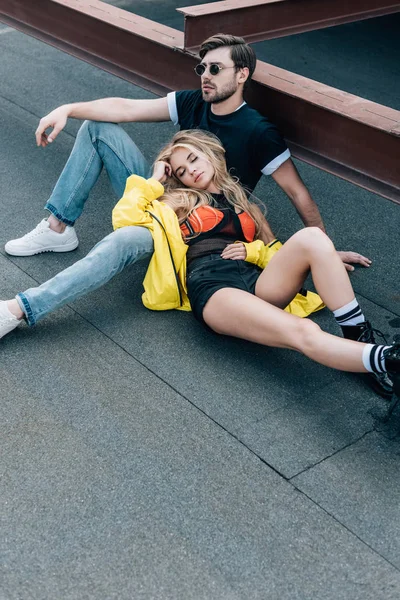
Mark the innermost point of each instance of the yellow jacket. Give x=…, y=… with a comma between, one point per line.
x=165, y=280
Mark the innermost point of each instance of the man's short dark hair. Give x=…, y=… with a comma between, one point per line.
x=241, y=53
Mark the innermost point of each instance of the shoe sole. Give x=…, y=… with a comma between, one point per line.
x=9, y=331
x=378, y=388
x=66, y=248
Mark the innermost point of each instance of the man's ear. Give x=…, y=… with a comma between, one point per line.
x=243, y=75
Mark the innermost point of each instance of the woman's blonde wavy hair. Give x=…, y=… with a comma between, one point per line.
x=185, y=200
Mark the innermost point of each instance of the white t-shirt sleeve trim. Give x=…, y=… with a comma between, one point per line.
x=276, y=163
x=173, y=109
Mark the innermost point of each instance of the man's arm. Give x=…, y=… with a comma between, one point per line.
x=287, y=177
x=114, y=110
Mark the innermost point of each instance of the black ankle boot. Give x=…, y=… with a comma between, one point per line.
x=362, y=333
x=392, y=362
x=380, y=382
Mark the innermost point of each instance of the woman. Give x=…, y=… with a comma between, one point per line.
x=227, y=289
x=234, y=297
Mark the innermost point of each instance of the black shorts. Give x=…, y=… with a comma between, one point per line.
x=208, y=274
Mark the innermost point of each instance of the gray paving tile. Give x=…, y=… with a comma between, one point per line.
x=359, y=487
x=311, y=426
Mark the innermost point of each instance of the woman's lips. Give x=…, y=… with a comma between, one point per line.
x=197, y=177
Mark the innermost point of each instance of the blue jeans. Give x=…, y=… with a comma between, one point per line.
x=96, y=145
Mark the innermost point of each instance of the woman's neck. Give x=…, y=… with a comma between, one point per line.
x=212, y=188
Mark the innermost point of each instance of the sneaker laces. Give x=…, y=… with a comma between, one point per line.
x=369, y=333
x=394, y=350
x=37, y=230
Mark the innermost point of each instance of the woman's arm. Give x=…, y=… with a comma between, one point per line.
x=131, y=209
x=138, y=194
x=265, y=234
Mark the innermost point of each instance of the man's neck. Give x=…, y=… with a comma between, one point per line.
x=228, y=106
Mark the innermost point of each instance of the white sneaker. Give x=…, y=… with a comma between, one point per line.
x=8, y=321
x=43, y=239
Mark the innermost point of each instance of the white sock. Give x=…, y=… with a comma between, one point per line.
x=373, y=358
x=350, y=314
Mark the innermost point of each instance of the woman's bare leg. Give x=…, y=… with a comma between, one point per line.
x=308, y=249
x=240, y=314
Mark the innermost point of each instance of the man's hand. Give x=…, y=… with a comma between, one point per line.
x=354, y=258
x=57, y=119
x=235, y=251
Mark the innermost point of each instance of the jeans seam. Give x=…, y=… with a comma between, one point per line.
x=26, y=307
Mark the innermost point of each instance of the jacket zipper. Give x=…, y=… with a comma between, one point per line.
x=178, y=285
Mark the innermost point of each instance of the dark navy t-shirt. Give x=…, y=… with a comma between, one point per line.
x=253, y=145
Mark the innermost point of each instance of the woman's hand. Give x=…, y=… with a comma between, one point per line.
x=161, y=171
x=235, y=251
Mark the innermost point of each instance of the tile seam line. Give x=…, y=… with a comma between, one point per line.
x=319, y=462
x=23, y=108
x=350, y=531
x=289, y=480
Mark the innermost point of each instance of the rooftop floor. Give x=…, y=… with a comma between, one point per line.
x=144, y=457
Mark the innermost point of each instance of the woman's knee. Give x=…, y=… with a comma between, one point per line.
x=314, y=239
x=306, y=335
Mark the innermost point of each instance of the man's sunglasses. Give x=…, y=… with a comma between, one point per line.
x=214, y=69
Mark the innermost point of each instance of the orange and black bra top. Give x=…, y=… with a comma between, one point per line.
x=219, y=221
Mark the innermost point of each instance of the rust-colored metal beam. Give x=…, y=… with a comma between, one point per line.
x=258, y=20
x=345, y=135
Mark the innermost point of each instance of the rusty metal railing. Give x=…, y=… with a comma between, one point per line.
x=258, y=20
